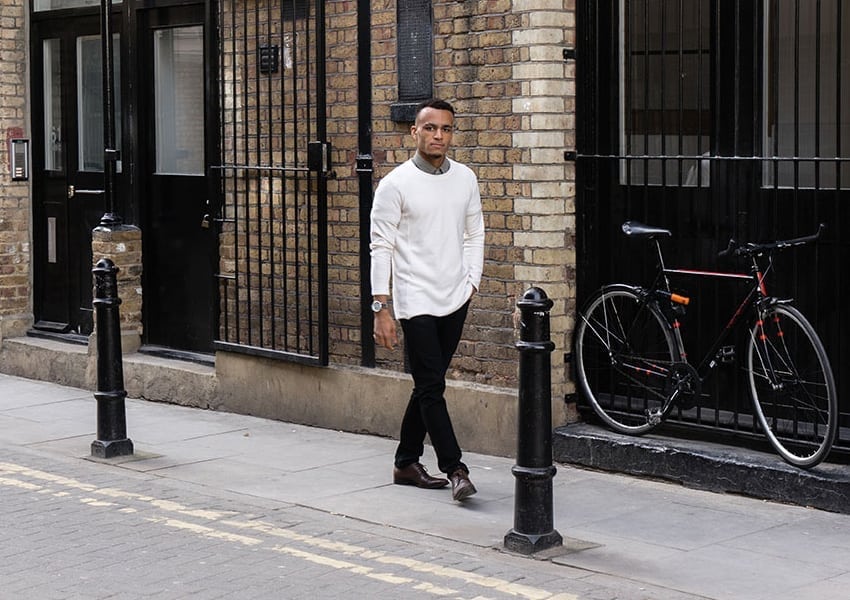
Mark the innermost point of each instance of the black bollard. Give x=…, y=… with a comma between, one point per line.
x=533, y=521
x=111, y=419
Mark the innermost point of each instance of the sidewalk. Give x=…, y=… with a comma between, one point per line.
x=696, y=543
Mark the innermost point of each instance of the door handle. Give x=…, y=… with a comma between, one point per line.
x=72, y=191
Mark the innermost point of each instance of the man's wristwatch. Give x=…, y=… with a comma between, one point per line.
x=378, y=306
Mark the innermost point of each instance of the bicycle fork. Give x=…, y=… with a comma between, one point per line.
x=762, y=343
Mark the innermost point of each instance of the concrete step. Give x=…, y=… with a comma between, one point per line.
x=145, y=376
x=704, y=465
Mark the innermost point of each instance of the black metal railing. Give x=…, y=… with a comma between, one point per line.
x=273, y=180
x=718, y=119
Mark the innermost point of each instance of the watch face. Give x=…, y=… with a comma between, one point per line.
x=377, y=306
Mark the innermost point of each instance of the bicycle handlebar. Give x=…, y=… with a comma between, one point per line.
x=751, y=249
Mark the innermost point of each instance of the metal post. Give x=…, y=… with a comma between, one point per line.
x=110, y=218
x=364, y=168
x=533, y=521
x=111, y=420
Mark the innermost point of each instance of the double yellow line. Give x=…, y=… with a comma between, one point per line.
x=228, y=526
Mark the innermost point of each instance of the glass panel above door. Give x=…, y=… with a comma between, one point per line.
x=179, y=100
x=42, y=5
x=52, y=77
x=665, y=92
x=90, y=101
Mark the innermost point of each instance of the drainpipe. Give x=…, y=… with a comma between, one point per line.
x=364, y=170
x=110, y=218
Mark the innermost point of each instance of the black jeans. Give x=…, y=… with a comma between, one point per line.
x=430, y=342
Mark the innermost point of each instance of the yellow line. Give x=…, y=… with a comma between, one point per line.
x=500, y=585
x=493, y=583
x=206, y=531
x=20, y=484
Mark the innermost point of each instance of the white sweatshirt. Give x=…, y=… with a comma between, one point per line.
x=428, y=232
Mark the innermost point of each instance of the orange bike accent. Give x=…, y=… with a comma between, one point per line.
x=684, y=300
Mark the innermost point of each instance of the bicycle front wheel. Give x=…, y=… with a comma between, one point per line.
x=624, y=352
x=792, y=386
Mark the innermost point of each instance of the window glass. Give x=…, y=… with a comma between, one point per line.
x=54, y=159
x=179, y=100
x=805, y=62
x=42, y=5
x=90, y=101
x=665, y=91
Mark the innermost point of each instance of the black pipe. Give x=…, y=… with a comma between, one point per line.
x=110, y=218
x=111, y=417
x=533, y=529
x=364, y=168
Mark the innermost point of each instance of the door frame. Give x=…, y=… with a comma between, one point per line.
x=73, y=289
x=126, y=20
x=147, y=19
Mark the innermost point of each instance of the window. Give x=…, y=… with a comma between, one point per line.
x=665, y=91
x=806, y=81
x=42, y=5
x=179, y=100
x=54, y=159
x=90, y=100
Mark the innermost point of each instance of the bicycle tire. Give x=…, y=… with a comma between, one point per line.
x=792, y=386
x=624, y=349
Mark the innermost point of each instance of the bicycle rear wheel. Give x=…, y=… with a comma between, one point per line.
x=792, y=386
x=624, y=351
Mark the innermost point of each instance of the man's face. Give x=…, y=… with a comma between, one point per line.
x=433, y=133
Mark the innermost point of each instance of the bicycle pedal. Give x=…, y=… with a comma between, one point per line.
x=726, y=355
x=653, y=417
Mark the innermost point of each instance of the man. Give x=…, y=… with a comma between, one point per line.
x=428, y=235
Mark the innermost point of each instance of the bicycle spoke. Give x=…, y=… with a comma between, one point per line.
x=792, y=386
x=623, y=353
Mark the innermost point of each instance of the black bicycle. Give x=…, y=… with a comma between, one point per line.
x=632, y=367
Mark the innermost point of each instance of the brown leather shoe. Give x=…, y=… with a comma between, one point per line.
x=462, y=487
x=415, y=474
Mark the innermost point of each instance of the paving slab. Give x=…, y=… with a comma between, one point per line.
x=642, y=538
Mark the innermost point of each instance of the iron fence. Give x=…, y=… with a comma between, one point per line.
x=273, y=180
x=718, y=119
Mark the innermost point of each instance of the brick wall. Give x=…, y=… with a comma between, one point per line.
x=500, y=62
x=15, y=308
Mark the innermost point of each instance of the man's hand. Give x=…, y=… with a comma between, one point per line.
x=385, y=331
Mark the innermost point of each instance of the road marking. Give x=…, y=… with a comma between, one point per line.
x=110, y=497
x=206, y=531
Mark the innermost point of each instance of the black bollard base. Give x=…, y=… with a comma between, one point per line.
x=111, y=448
x=524, y=543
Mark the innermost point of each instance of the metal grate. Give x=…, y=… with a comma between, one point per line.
x=415, y=50
x=273, y=218
x=718, y=119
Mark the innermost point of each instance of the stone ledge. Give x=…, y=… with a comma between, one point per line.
x=347, y=398
x=704, y=465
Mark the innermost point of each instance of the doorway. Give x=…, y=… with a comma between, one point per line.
x=168, y=118
x=68, y=195
x=179, y=235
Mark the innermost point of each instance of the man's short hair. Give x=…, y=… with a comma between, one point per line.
x=434, y=103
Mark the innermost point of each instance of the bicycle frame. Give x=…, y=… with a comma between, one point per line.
x=660, y=292
x=633, y=366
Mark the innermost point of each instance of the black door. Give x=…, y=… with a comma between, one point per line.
x=68, y=166
x=179, y=238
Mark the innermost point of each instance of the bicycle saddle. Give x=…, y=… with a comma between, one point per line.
x=635, y=229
